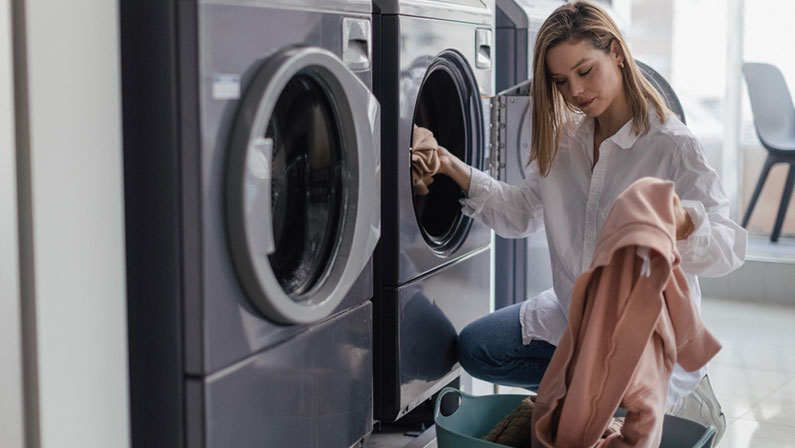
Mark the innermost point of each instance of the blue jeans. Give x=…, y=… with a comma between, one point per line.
x=491, y=349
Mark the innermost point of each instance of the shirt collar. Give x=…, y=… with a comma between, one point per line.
x=624, y=138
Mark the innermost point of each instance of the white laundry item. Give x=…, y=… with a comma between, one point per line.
x=572, y=202
x=644, y=253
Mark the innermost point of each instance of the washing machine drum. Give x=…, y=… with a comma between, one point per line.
x=448, y=104
x=302, y=187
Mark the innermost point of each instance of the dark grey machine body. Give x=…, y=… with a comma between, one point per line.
x=430, y=282
x=521, y=265
x=207, y=369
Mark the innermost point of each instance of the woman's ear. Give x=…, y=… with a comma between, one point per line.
x=617, y=52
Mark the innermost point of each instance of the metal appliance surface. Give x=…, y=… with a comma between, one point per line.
x=522, y=268
x=421, y=320
x=469, y=11
x=433, y=67
x=517, y=23
x=251, y=160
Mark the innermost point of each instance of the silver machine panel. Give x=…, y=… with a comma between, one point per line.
x=251, y=161
x=472, y=11
x=522, y=267
x=434, y=69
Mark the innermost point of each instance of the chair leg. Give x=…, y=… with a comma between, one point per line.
x=782, y=208
x=757, y=190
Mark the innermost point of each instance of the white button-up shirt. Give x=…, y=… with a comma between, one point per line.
x=572, y=204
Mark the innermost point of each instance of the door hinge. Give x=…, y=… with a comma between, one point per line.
x=510, y=132
x=497, y=126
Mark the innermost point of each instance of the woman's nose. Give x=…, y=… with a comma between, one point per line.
x=576, y=88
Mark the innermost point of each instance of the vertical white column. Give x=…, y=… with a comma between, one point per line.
x=623, y=9
x=11, y=399
x=73, y=271
x=731, y=159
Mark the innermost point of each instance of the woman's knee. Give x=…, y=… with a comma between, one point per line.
x=470, y=349
x=466, y=341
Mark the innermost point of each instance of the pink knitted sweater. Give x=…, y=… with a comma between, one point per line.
x=631, y=319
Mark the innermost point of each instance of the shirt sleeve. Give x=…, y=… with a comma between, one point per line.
x=717, y=245
x=543, y=318
x=512, y=211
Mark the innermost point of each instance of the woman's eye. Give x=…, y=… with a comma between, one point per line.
x=560, y=82
x=585, y=73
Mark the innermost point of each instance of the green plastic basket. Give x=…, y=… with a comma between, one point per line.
x=462, y=419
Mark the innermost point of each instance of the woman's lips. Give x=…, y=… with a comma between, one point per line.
x=587, y=103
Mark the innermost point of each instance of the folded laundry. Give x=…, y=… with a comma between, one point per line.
x=424, y=159
x=631, y=319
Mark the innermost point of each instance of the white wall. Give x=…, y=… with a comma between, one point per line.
x=77, y=237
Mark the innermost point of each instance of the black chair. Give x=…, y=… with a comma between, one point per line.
x=774, y=119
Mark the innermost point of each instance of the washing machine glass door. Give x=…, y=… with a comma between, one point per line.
x=302, y=184
x=663, y=88
x=448, y=104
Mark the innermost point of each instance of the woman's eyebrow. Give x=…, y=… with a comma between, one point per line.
x=581, y=61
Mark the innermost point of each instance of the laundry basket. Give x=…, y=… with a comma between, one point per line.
x=462, y=419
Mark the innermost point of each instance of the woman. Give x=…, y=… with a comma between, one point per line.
x=598, y=126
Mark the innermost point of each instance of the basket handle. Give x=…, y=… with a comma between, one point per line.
x=708, y=439
x=447, y=402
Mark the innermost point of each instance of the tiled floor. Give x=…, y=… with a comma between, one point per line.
x=754, y=375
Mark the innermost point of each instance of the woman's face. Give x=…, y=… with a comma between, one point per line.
x=588, y=78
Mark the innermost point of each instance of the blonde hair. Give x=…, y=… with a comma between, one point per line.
x=575, y=22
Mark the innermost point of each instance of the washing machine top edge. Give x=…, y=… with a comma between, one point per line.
x=351, y=6
x=523, y=13
x=472, y=11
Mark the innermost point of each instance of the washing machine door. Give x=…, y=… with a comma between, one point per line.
x=511, y=115
x=664, y=89
x=303, y=184
x=449, y=105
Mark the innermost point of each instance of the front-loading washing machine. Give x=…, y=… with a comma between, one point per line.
x=433, y=68
x=522, y=266
x=251, y=163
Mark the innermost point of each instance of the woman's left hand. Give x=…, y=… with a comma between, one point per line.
x=684, y=223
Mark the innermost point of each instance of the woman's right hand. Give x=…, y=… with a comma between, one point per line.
x=453, y=167
x=445, y=159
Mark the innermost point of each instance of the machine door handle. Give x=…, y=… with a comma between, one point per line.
x=483, y=48
x=258, y=207
x=356, y=43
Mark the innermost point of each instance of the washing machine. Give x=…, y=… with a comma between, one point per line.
x=433, y=68
x=252, y=193
x=517, y=24
x=522, y=266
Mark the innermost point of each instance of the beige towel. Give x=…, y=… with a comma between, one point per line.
x=424, y=159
